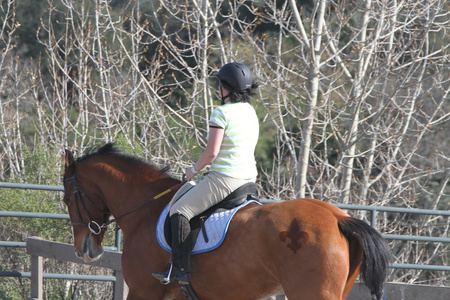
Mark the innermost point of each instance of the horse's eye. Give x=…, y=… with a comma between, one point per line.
x=66, y=200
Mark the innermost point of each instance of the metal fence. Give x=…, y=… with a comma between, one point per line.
x=373, y=221
x=38, y=249
x=14, y=214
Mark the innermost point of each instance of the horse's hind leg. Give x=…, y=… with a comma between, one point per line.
x=312, y=289
x=311, y=285
x=318, y=282
x=303, y=292
x=310, y=256
x=315, y=273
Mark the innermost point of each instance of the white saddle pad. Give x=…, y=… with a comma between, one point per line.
x=216, y=227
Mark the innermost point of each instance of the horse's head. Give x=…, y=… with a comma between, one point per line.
x=87, y=210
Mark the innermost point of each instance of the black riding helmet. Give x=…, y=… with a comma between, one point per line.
x=236, y=75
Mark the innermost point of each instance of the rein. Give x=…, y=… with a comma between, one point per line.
x=80, y=195
x=174, y=188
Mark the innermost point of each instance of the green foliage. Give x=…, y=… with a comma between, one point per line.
x=42, y=165
x=28, y=15
x=9, y=288
x=122, y=144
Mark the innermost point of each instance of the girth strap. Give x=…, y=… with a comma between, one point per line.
x=189, y=292
x=203, y=228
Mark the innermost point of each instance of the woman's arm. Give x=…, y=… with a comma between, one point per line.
x=210, y=153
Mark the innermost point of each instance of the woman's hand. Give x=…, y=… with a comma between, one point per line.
x=189, y=174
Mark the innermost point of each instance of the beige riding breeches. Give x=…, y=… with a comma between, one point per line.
x=212, y=189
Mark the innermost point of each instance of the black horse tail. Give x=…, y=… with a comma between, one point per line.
x=376, y=253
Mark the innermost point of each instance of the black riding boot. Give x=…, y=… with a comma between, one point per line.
x=181, y=252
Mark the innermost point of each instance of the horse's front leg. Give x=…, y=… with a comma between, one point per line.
x=137, y=267
x=156, y=292
x=132, y=296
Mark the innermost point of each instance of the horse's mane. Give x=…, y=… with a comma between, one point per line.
x=110, y=149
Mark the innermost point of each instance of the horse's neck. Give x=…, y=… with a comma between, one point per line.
x=134, y=204
x=127, y=186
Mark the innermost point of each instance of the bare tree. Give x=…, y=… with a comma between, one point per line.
x=354, y=104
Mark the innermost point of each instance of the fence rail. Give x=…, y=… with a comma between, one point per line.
x=38, y=248
x=16, y=214
x=375, y=209
x=28, y=186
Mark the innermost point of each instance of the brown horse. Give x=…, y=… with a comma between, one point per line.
x=306, y=248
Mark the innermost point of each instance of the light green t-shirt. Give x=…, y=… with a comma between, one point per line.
x=236, y=157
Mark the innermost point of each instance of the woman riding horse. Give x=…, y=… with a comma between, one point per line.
x=304, y=248
x=233, y=134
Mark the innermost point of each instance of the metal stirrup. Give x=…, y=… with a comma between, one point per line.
x=166, y=280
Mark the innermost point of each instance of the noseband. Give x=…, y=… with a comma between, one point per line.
x=80, y=198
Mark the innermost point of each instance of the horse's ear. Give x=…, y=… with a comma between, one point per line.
x=69, y=165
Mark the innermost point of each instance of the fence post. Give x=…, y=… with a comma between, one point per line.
x=36, y=277
x=120, y=288
x=373, y=218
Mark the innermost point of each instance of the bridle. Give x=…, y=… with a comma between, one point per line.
x=80, y=197
x=93, y=226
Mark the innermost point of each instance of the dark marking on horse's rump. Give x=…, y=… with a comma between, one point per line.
x=296, y=236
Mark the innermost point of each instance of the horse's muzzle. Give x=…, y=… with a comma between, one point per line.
x=90, y=251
